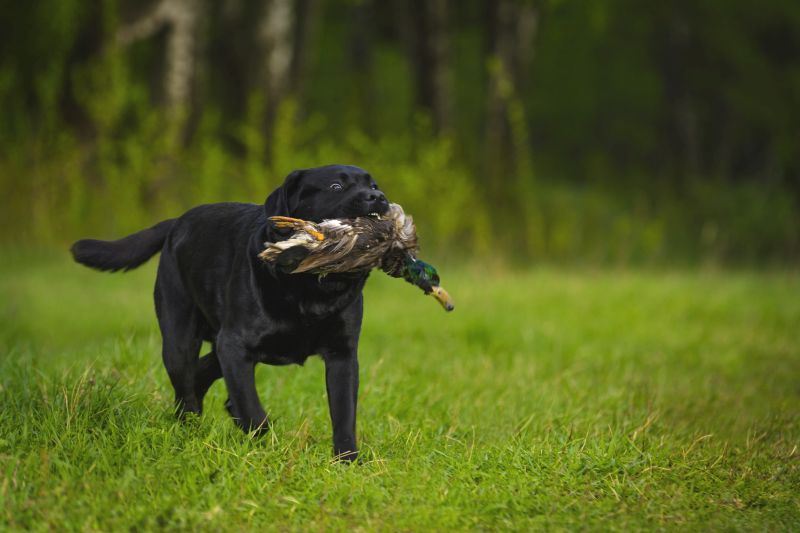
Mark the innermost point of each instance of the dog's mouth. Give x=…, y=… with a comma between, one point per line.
x=374, y=211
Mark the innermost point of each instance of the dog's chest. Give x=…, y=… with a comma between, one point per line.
x=314, y=317
x=288, y=344
x=285, y=349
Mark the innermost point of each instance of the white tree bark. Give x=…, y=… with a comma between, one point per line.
x=275, y=35
x=181, y=16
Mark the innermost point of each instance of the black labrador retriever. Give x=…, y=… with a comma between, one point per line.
x=211, y=286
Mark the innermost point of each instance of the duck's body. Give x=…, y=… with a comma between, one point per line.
x=347, y=245
x=388, y=242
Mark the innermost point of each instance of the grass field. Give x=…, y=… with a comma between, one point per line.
x=578, y=400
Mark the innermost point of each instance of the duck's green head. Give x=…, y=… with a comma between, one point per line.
x=424, y=276
x=421, y=274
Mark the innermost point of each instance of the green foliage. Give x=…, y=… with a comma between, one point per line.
x=645, y=133
x=548, y=399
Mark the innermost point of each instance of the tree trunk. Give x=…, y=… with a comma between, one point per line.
x=181, y=18
x=429, y=59
x=360, y=61
x=511, y=28
x=275, y=38
x=308, y=13
x=682, y=127
x=275, y=35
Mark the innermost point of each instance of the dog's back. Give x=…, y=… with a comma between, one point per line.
x=206, y=228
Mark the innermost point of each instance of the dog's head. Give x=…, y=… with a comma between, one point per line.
x=333, y=191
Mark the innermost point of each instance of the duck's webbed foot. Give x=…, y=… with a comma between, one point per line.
x=297, y=224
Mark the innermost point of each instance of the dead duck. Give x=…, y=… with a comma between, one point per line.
x=387, y=242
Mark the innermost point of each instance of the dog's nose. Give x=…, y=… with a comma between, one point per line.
x=376, y=196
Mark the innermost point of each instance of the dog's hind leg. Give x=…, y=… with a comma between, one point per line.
x=208, y=371
x=180, y=324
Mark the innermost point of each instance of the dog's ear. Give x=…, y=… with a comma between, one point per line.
x=283, y=200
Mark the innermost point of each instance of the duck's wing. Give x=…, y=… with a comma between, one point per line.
x=306, y=235
x=342, y=245
x=274, y=250
x=359, y=245
x=340, y=239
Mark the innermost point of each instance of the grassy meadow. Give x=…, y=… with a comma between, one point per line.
x=548, y=399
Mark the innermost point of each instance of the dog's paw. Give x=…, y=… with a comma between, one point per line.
x=258, y=428
x=345, y=456
x=187, y=409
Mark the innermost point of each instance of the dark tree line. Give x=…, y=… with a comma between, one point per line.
x=635, y=98
x=701, y=88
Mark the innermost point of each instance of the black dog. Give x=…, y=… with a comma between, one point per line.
x=211, y=286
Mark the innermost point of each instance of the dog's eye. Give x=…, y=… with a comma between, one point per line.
x=374, y=187
x=336, y=186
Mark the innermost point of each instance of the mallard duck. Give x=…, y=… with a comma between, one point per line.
x=387, y=242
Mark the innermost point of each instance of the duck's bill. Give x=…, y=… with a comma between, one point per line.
x=443, y=298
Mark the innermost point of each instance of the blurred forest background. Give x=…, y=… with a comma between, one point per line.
x=606, y=132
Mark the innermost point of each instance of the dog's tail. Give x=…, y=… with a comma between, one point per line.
x=124, y=254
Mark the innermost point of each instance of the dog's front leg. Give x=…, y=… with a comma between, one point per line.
x=341, y=379
x=239, y=372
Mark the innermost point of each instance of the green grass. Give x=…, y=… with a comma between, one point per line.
x=577, y=400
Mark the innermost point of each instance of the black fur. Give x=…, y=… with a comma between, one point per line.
x=123, y=254
x=211, y=286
